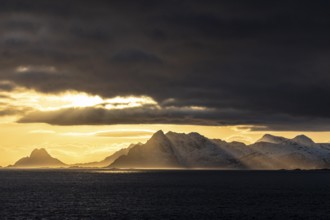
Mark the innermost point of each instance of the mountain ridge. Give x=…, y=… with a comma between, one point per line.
x=194, y=150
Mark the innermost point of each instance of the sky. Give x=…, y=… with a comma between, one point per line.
x=86, y=78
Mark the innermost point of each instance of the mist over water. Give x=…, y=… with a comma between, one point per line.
x=164, y=194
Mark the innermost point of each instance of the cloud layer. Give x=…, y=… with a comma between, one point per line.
x=260, y=63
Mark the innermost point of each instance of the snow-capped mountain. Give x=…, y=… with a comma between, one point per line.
x=303, y=140
x=268, y=138
x=299, y=152
x=193, y=150
x=157, y=153
x=176, y=150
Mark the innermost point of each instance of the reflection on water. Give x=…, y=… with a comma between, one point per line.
x=117, y=171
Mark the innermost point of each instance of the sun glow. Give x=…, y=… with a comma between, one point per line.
x=26, y=98
x=79, y=99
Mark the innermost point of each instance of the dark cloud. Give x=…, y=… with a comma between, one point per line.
x=176, y=115
x=260, y=59
x=135, y=56
x=47, y=81
x=6, y=86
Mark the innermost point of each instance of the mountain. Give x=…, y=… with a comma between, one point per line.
x=177, y=150
x=39, y=158
x=108, y=160
x=303, y=140
x=268, y=138
x=156, y=153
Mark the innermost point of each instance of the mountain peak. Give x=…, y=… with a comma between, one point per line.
x=39, y=153
x=272, y=139
x=195, y=134
x=39, y=158
x=303, y=139
x=158, y=134
x=158, y=137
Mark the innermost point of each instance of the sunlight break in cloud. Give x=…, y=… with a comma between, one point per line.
x=46, y=69
x=27, y=98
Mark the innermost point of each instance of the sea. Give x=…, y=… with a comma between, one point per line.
x=164, y=194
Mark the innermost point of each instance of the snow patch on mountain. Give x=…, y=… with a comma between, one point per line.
x=303, y=140
x=272, y=139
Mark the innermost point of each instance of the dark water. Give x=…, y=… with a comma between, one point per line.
x=73, y=194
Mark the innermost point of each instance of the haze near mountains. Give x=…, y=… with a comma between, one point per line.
x=108, y=160
x=178, y=150
x=39, y=158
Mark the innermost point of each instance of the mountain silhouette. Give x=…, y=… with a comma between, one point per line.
x=39, y=158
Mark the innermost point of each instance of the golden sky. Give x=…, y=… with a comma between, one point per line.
x=86, y=143
x=75, y=144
